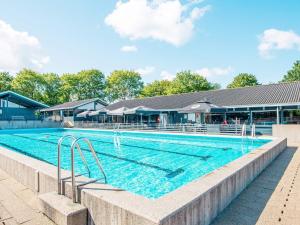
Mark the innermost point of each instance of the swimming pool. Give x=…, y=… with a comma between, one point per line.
x=147, y=164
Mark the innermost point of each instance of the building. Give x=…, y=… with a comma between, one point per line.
x=14, y=106
x=70, y=111
x=262, y=104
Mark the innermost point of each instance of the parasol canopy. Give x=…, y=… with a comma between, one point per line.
x=203, y=106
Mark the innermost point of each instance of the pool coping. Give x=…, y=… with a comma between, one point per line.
x=191, y=134
x=172, y=133
x=196, y=199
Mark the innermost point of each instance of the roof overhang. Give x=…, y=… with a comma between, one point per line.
x=54, y=108
x=22, y=100
x=264, y=105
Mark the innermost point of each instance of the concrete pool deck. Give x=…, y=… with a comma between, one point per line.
x=19, y=204
x=272, y=198
x=274, y=195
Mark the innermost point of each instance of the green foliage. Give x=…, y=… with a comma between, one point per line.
x=187, y=81
x=91, y=84
x=5, y=81
x=243, y=80
x=123, y=84
x=293, y=74
x=40, y=87
x=30, y=84
x=215, y=86
x=83, y=85
x=68, y=87
x=156, y=88
x=51, y=88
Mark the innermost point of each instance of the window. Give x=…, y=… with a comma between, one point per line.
x=68, y=113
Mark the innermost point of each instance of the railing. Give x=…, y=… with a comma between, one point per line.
x=60, y=142
x=117, y=135
x=224, y=129
x=232, y=129
x=244, y=130
x=253, y=130
x=75, y=144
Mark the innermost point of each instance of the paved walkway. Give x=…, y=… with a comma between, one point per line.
x=272, y=198
x=18, y=204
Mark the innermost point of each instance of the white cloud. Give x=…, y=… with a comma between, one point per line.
x=145, y=71
x=165, y=20
x=129, y=48
x=165, y=75
x=273, y=39
x=19, y=49
x=213, y=72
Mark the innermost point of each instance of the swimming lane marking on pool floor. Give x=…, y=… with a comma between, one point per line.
x=154, y=149
x=163, y=141
x=168, y=171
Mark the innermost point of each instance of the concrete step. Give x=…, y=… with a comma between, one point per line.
x=61, y=210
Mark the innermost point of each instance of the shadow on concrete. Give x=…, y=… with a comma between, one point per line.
x=249, y=205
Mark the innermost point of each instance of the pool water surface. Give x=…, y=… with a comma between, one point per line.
x=147, y=164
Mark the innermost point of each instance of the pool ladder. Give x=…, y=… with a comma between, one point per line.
x=244, y=130
x=75, y=144
x=253, y=130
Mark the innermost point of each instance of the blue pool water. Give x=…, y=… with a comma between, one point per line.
x=148, y=164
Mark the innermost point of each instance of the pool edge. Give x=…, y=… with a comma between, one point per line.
x=198, y=202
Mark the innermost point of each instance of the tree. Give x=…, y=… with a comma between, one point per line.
x=68, y=90
x=29, y=83
x=5, y=81
x=156, y=88
x=216, y=86
x=83, y=85
x=243, y=80
x=187, y=81
x=91, y=84
x=51, y=88
x=123, y=84
x=293, y=74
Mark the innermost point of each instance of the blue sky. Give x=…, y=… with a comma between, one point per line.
x=157, y=38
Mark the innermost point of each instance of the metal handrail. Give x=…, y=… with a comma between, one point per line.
x=244, y=130
x=253, y=130
x=117, y=135
x=75, y=144
x=60, y=141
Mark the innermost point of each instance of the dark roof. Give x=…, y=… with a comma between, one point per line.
x=73, y=105
x=272, y=94
x=22, y=100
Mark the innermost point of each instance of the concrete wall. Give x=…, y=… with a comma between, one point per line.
x=28, y=124
x=290, y=131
